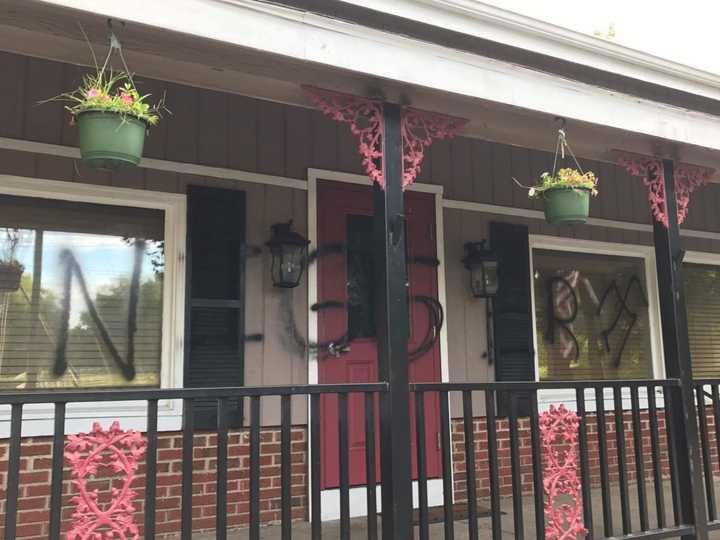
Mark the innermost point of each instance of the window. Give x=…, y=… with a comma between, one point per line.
x=591, y=316
x=702, y=298
x=360, y=277
x=81, y=294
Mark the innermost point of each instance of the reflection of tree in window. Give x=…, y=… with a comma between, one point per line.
x=30, y=318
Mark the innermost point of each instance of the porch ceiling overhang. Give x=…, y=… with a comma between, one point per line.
x=265, y=51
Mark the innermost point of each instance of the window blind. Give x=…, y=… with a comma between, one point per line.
x=702, y=300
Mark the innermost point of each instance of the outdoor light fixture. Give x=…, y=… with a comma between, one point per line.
x=289, y=255
x=482, y=264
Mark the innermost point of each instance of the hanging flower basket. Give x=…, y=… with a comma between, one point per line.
x=10, y=276
x=565, y=192
x=112, y=116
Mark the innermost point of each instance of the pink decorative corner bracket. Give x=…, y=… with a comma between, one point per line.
x=687, y=179
x=418, y=129
x=559, y=434
x=87, y=453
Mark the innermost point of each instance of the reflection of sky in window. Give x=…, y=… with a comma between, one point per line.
x=104, y=260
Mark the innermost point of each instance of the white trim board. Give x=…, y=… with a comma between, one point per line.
x=330, y=499
x=294, y=183
x=592, y=222
x=38, y=419
x=376, y=55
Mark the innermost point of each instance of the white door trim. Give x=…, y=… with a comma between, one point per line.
x=329, y=501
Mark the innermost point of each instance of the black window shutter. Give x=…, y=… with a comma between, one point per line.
x=512, y=316
x=215, y=329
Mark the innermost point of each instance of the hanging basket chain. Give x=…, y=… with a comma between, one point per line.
x=116, y=45
x=560, y=146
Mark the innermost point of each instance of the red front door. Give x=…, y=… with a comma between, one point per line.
x=345, y=217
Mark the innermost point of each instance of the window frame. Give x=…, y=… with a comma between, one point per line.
x=38, y=419
x=594, y=247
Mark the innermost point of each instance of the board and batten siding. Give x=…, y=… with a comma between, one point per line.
x=245, y=134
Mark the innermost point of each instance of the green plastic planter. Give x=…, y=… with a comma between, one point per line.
x=566, y=206
x=109, y=140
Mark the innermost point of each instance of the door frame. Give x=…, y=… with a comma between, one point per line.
x=330, y=498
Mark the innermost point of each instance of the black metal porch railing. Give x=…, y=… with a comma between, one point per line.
x=612, y=454
x=222, y=396
x=625, y=446
x=707, y=401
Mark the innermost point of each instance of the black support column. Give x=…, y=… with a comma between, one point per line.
x=392, y=335
x=682, y=418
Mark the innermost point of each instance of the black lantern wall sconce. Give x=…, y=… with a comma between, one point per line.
x=289, y=255
x=482, y=264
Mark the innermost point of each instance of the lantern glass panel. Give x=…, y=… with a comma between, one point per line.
x=491, y=277
x=288, y=264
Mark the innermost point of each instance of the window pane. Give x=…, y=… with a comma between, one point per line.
x=360, y=277
x=88, y=309
x=702, y=297
x=592, y=316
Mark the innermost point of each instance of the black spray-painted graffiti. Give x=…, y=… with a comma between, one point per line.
x=561, y=293
x=72, y=270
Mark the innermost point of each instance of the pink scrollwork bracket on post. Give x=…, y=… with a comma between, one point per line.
x=650, y=169
x=418, y=129
x=559, y=434
x=87, y=453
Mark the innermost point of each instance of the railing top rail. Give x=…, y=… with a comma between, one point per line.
x=703, y=382
x=79, y=396
x=545, y=385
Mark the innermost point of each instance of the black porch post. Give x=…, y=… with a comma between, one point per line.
x=392, y=335
x=682, y=418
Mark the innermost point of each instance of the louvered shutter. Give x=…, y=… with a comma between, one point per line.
x=216, y=297
x=512, y=317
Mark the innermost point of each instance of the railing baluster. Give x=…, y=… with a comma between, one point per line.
x=286, y=466
x=371, y=481
x=187, y=469
x=13, y=473
x=316, y=520
x=151, y=468
x=255, y=468
x=424, y=525
x=519, y=524
x=584, y=465
x=622, y=459
x=222, y=469
x=539, y=494
x=716, y=417
x=705, y=449
x=447, y=466
x=344, y=467
x=470, y=476
x=56, y=482
x=672, y=455
x=657, y=464
x=639, y=458
x=495, y=511
x=603, y=451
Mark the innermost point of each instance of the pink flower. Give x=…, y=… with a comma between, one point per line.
x=126, y=98
x=93, y=93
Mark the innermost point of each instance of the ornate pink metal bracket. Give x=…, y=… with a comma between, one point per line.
x=650, y=169
x=417, y=128
x=559, y=433
x=87, y=453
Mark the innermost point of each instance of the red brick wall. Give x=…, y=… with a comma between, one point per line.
x=35, y=467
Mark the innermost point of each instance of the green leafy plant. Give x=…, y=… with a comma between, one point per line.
x=9, y=248
x=112, y=92
x=564, y=179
